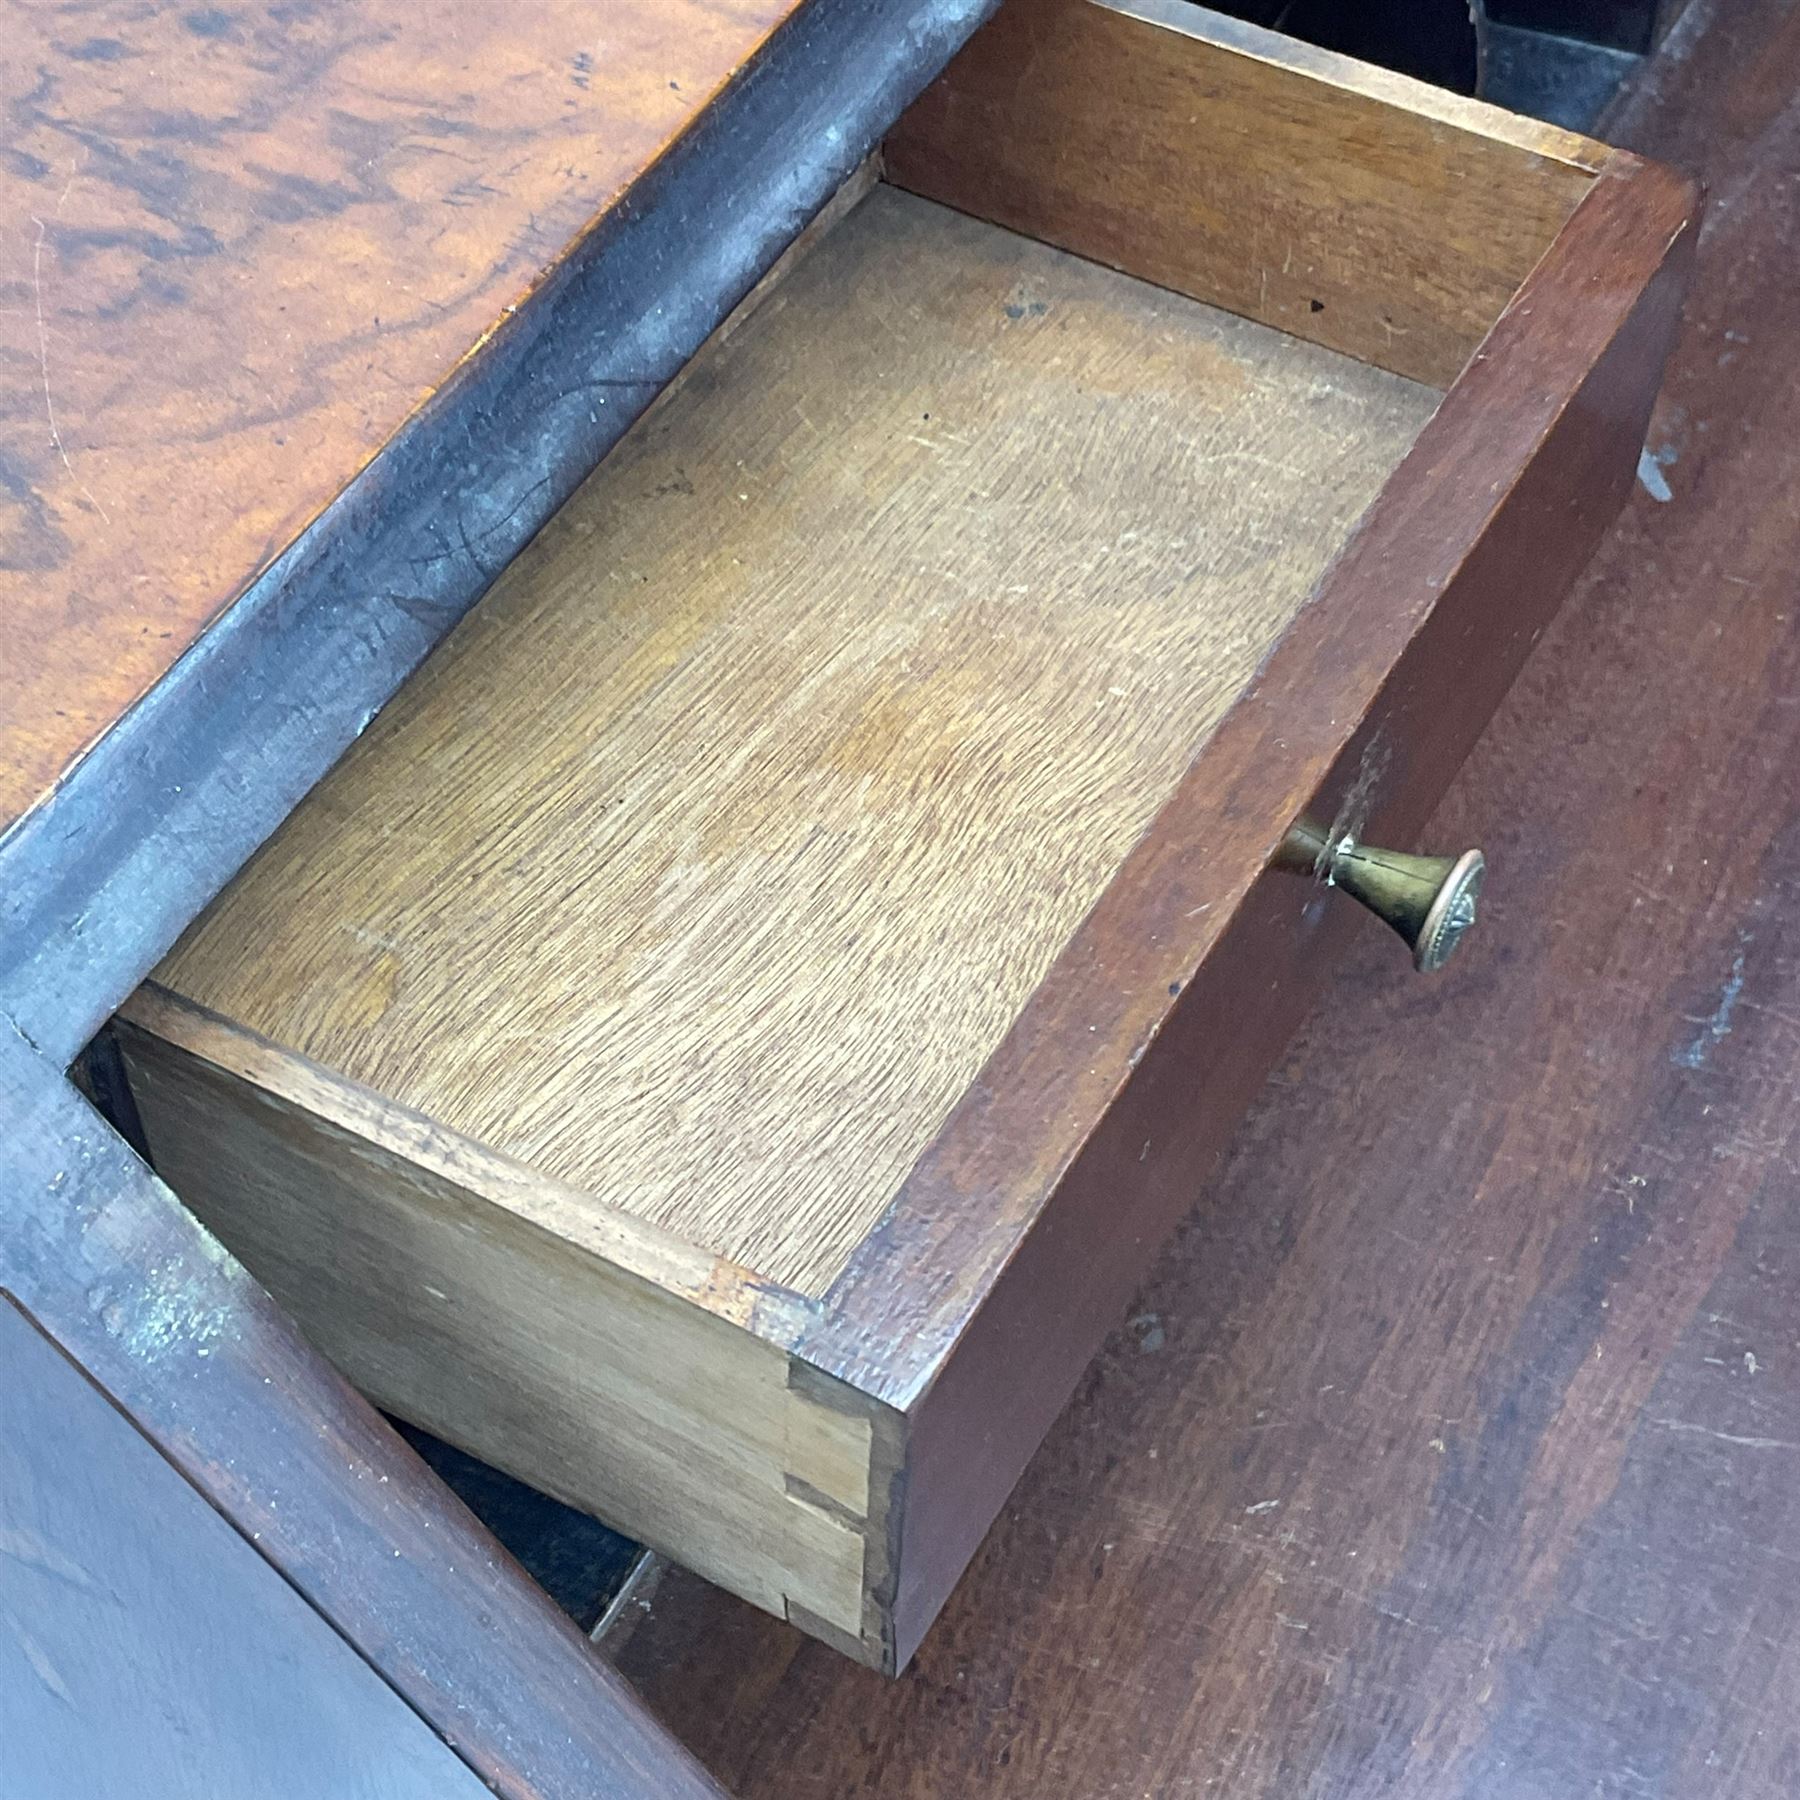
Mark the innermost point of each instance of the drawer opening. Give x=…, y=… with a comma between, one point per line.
x=575, y=1036
x=706, y=864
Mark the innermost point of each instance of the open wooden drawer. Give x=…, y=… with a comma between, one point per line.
x=729, y=1038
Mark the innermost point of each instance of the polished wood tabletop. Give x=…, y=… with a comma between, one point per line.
x=238, y=248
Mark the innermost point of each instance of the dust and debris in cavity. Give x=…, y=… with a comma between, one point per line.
x=1693, y=1054
x=1670, y=433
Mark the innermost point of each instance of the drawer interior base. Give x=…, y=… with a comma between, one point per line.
x=706, y=864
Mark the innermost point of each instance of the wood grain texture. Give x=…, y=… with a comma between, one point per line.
x=1346, y=205
x=237, y=251
x=146, y=1648
x=1449, y=1452
x=1013, y=1239
x=607, y=1367
x=989, y=1282
x=114, y=1269
x=707, y=864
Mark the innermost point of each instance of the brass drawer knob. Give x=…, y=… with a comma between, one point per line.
x=1429, y=900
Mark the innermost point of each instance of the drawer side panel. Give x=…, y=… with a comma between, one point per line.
x=617, y=1396
x=1116, y=1102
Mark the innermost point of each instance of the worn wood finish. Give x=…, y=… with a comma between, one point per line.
x=1449, y=1453
x=238, y=253
x=117, y=1272
x=1349, y=206
x=611, y=1366
x=460, y=1167
x=1116, y=1087
x=98, y=880
x=962, y=1320
x=146, y=1648
x=852, y=677
x=306, y=321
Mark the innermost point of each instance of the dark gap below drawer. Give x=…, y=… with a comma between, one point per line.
x=580, y=1563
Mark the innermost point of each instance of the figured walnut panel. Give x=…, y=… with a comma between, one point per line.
x=237, y=251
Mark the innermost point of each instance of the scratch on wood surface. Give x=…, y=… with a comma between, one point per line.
x=1693, y=1054
x=41, y=1666
x=43, y=336
x=44, y=332
x=23, y=1546
x=1727, y=1437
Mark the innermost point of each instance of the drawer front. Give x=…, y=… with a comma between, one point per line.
x=1361, y=718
